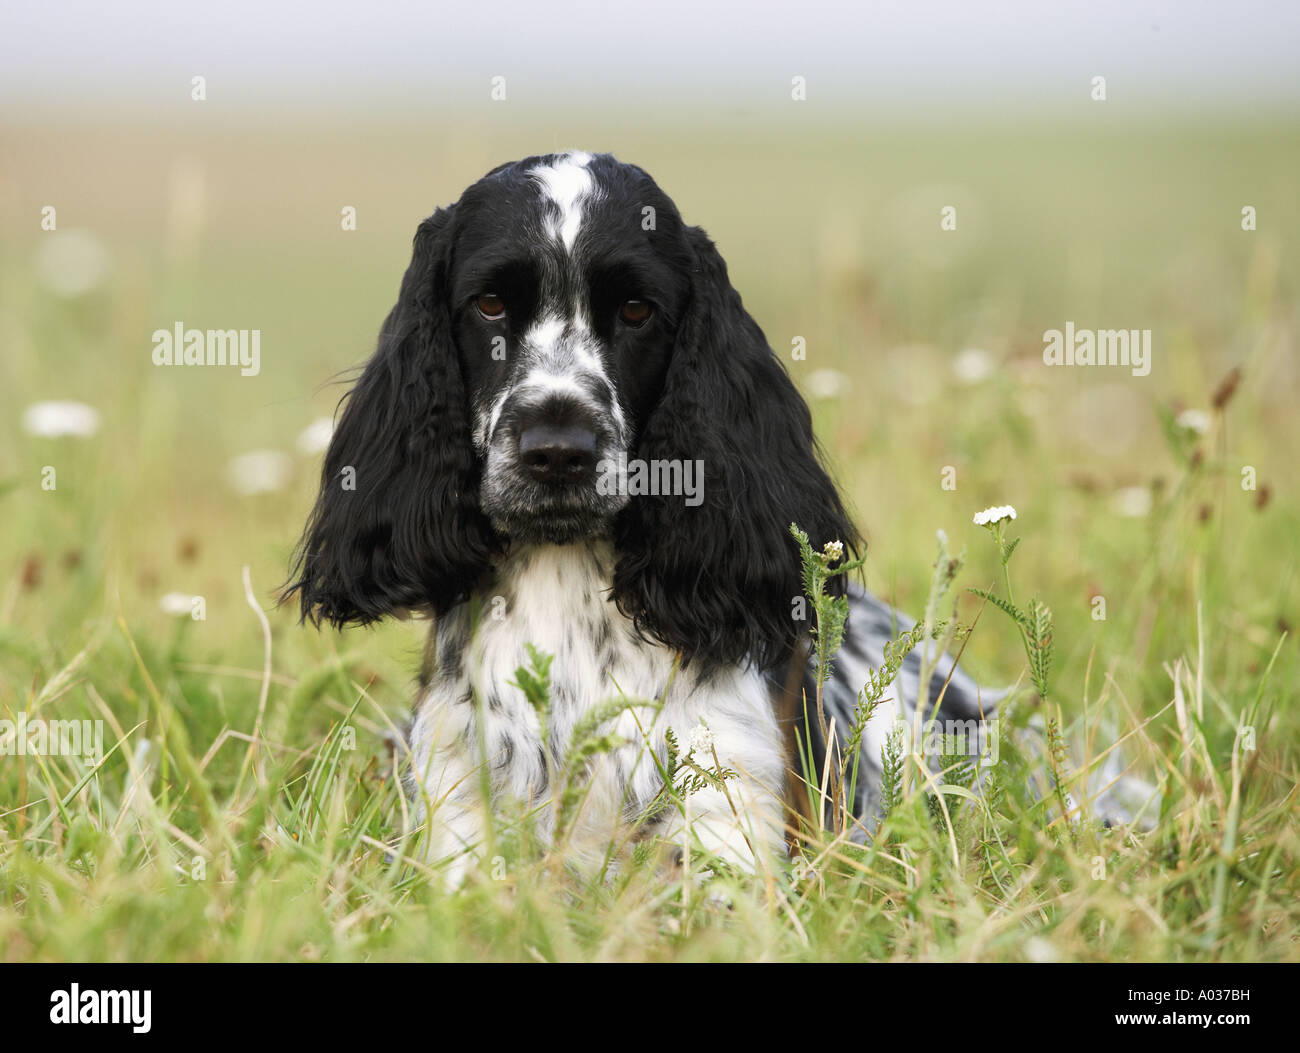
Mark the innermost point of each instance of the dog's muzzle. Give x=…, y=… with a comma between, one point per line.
x=543, y=460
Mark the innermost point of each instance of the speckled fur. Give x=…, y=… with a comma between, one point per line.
x=557, y=597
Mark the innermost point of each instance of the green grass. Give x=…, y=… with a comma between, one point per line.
x=247, y=815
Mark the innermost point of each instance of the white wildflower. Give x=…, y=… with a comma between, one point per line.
x=71, y=263
x=260, y=471
x=700, y=740
x=996, y=514
x=1041, y=951
x=316, y=436
x=1133, y=501
x=1194, y=420
x=177, y=604
x=972, y=365
x=51, y=420
x=827, y=383
x=834, y=550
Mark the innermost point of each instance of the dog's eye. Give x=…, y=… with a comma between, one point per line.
x=635, y=313
x=491, y=307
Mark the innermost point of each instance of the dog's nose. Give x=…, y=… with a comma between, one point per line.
x=562, y=456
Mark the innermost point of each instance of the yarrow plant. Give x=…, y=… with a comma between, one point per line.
x=830, y=612
x=1035, y=625
x=700, y=740
x=994, y=515
x=839, y=787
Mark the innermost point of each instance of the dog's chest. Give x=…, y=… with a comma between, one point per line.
x=555, y=599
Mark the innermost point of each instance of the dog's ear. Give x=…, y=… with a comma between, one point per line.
x=720, y=579
x=397, y=523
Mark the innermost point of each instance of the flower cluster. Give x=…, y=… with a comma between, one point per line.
x=700, y=740
x=996, y=514
x=1194, y=420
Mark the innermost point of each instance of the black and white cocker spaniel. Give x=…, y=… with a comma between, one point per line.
x=572, y=435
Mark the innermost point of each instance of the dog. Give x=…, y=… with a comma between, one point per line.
x=565, y=348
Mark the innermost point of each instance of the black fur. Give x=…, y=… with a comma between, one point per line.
x=411, y=534
x=720, y=580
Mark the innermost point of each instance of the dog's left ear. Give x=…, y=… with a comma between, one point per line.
x=397, y=524
x=720, y=580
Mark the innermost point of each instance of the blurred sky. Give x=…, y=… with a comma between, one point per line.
x=87, y=55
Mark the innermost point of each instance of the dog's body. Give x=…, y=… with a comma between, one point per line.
x=556, y=598
x=555, y=323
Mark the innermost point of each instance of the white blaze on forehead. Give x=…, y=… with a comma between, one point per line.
x=563, y=348
x=544, y=336
x=567, y=184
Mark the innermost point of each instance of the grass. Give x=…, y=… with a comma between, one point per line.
x=246, y=809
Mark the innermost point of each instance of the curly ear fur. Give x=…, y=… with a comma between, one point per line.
x=411, y=534
x=718, y=580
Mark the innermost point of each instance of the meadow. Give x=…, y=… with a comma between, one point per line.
x=246, y=808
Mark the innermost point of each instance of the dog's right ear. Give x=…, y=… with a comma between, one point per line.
x=397, y=524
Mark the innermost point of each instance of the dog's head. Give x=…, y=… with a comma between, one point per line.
x=557, y=327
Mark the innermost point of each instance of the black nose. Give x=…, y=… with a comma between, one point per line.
x=562, y=456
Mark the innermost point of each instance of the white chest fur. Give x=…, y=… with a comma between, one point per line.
x=472, y=719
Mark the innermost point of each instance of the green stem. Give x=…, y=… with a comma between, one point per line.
x=1011, y=599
